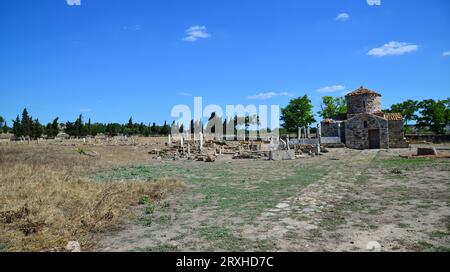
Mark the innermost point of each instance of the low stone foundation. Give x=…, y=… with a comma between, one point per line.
x=282, y=155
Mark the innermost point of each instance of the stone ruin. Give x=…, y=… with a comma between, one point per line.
x=200, y=149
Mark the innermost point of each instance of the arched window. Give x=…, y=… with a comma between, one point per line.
x=364, y=105
x=365, y=124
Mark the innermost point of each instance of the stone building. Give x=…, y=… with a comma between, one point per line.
x=365, y=126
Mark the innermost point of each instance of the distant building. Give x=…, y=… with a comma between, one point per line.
x=365, y=126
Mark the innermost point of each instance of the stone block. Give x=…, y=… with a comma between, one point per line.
x=282, y=155
x=426, y=151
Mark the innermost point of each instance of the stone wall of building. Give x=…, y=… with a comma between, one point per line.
x=397, y=135
x=357, y=131
x=368, y=103
x=330, y=129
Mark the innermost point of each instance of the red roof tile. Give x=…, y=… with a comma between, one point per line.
x=393, y=116
x=362, y=91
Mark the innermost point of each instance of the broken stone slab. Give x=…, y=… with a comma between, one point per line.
x=211, y=158
x=426, y=151
x=282, y=155
x=91, y=154
x=248, y=156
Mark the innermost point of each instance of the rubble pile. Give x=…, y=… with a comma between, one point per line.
x=210, y=151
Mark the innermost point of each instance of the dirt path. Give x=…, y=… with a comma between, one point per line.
x=337, y=202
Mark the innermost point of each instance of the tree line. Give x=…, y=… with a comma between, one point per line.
x=429, y=114
x=25, y=126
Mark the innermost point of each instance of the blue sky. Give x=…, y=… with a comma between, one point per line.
x=112, y=59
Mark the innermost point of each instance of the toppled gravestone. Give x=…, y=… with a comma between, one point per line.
x=426, y=151
x=282, y=155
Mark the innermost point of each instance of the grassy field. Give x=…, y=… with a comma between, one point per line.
x=122, y=200
x=47, y=198
x=339, y=201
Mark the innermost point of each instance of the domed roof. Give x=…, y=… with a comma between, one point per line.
x=362, y=91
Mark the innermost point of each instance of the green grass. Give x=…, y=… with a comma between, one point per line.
x=129, y=173
x=331, y=221
x=439, y=234
x=246, y=192
x=404, y=226
x=3, y=247
x=224, y=239
x=362, y=179
x=163, y=220
x=425, y=245
x=400, y=163
x=251, y=198
x=227, y=192
x=443, y=249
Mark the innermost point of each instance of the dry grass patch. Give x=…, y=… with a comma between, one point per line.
x=45, y=201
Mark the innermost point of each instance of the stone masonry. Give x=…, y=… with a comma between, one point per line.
x=366, y=126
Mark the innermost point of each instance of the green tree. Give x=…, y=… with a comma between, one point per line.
x=146, y=132
x=447, y=111
x=17, y=128
x=26, y=124
x=70, y=129
x=165, y=129
x=2, y=121
x=80, y=129
x=89, y=127
x=98, y=128
x=130, y=124
x=154, y=129
x=331, y=107
x=434, y=114
x=52, y=129
x=297, y=114
x=76, y=129
x=407, y=109
x=36, y=129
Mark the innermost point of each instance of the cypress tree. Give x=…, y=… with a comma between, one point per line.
x=17, y=129
x=26, y=124
x=89, y=127
x=36, y=129
x=154, y=130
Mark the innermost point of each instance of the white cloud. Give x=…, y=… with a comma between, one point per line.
x=269, y=95
x=374, y=2
x=196, y=32
x=331, y=89
x=446, y=54
x=132, y=28
x=184, y=94
x=73, y=2
x=393, y=48
x=343, y=17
